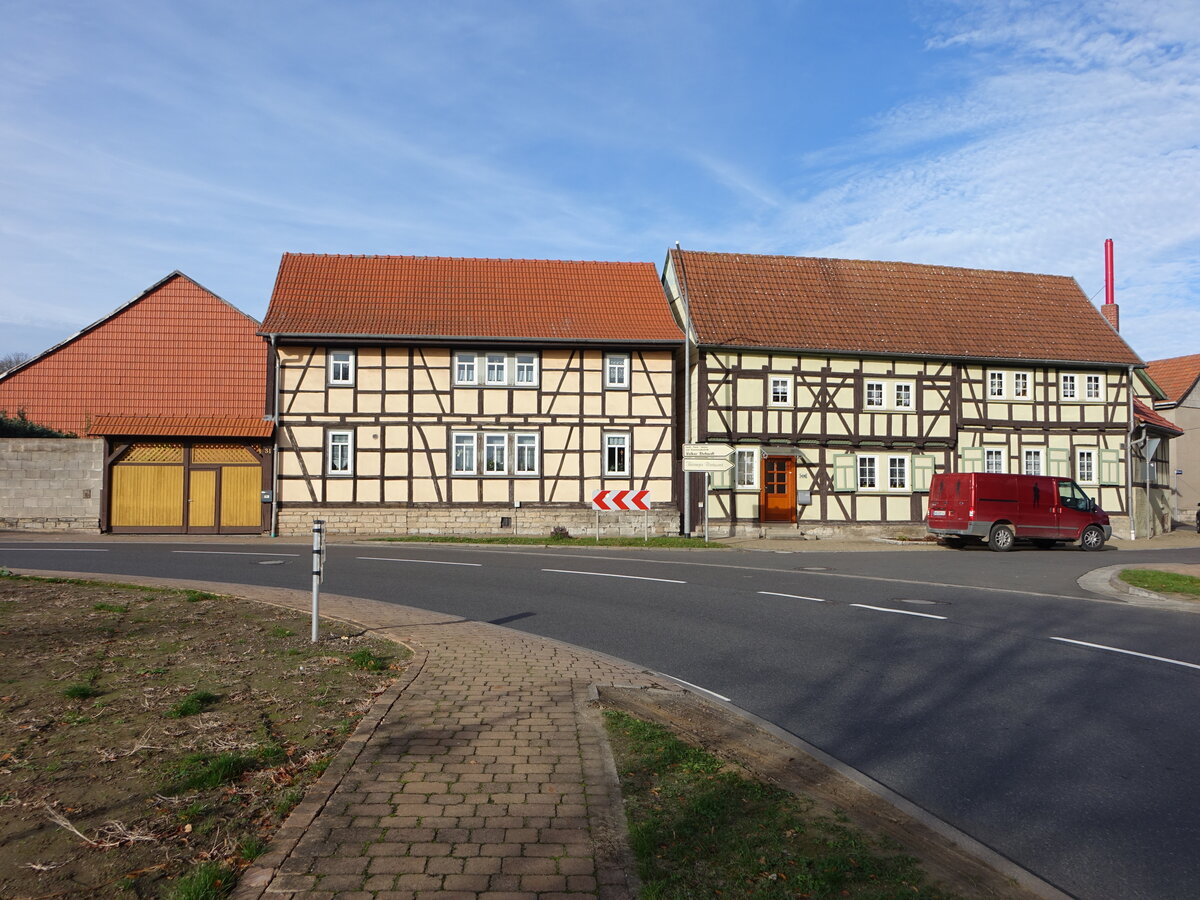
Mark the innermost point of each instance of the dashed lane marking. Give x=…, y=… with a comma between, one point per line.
x=613, y=575
x=900, y=612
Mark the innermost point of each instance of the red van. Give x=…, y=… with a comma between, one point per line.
x=1003, y=509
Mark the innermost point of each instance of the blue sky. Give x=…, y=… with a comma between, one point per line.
x=137, y=138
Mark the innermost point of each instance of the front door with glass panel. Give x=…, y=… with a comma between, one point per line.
x=777, y=498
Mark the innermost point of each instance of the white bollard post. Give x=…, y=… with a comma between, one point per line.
x=318, y=558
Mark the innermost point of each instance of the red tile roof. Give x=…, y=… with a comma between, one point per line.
x=890, y=308
x=1147, y=416
x=491, y=299
x=183, y=426
x=1176, y=376
x=177, y=349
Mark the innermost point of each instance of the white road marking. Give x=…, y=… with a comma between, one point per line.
x=698, y=688
x=56, y=549
x=431, y=562
x=793, y=596
x=612, y=575
x=1174, y=662
x=232, y=553
x=902, y=612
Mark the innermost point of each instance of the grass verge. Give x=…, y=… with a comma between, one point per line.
x=1162, y=582
x=668, y=542
x=701, y=827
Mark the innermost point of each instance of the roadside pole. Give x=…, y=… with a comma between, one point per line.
x=318, y=573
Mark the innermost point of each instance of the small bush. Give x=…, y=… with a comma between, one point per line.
x=251, y=848
x=81, y=691
x=198, y=596
x=109, y=607
x=193, y=703
x=366, y=659
x=559, y=533
x=207, y=881
x=280, y=632
x=200, y=771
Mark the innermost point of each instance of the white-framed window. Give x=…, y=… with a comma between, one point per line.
x=465, y=369
x=1085, y=466
x=874, y=395
x=1021, y=386
x=996, y=385
x=868, y=473
x=616, y=370
x=1033, y=461
x=993, y=460
x=1067, y=387
x=495, y=454
x=781, y=390
x=464, y=453
x=902, y=394
x=341, y=367
x=897, y=473
x=1093, y=387
x=497, y=368
x=526, y=369
x=525, y=454
x=746, y=468
x=616, y=453
x=339, y=452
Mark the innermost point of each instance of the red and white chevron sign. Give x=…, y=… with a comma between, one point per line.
x=616, y=500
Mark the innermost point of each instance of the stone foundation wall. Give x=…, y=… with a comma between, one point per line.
x=51, y=484
x=446, y=519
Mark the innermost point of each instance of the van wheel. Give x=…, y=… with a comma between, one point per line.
x=1002, y=538
x=1092, y=538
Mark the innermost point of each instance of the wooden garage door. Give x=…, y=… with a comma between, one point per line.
x=147, y=488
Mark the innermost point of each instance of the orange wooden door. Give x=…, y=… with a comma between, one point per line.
x=777, y=498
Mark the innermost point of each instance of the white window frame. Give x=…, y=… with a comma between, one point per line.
x=617, y=364
x=996, y=386
x=1022, y=386
x=999, y=455
x=334, y=374
x=882, y=390
x=903, y=471
x=489, y=360
x=525, y=362
x=526, y=439
x=468, y=440
x=1090, y=379
x=339, y=446
x=1038, y=453
x=784, y=383
x=866, y=469
x=1068, y=387
x=1086, y=473
x=623, y=444
x=495, y=448
x=466, y=360
x=909, y=388
x=745, y=469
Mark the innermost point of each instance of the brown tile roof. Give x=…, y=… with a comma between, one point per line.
x=1176, y=376
x=518, y=299
x=886, y=308
x=176, y=349
x=1147, y=416
x=183, y=426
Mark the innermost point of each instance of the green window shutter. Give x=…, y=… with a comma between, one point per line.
x=1110, y=467
x=922, y=472
x=972, y=459
x=1058, y=462
x=845, y=471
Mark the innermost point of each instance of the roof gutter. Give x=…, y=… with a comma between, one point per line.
x=275, y=437
x=461, y=339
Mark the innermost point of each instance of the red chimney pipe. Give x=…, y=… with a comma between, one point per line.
x=1109, y=289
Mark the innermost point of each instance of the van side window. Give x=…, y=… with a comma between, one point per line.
x=1070, y=496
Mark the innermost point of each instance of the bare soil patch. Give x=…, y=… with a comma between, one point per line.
x=144, y=733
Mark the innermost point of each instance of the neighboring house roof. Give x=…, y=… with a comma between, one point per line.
x=490, y=299
x=1147, y=416
x=891, y=308
x=1176, y=375
x=176, y=349
x=183, y=426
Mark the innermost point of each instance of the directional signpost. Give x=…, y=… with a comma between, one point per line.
x=617, y=501
x=707, y=458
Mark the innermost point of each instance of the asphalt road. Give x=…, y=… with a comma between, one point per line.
x=988, y=688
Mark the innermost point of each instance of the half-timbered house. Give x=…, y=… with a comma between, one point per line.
x=437, y=395
x=842, y=386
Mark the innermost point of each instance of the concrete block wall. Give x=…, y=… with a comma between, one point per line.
x=531, y=520
x=51, y=484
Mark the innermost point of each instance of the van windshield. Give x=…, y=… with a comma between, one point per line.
x=1072, y=496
